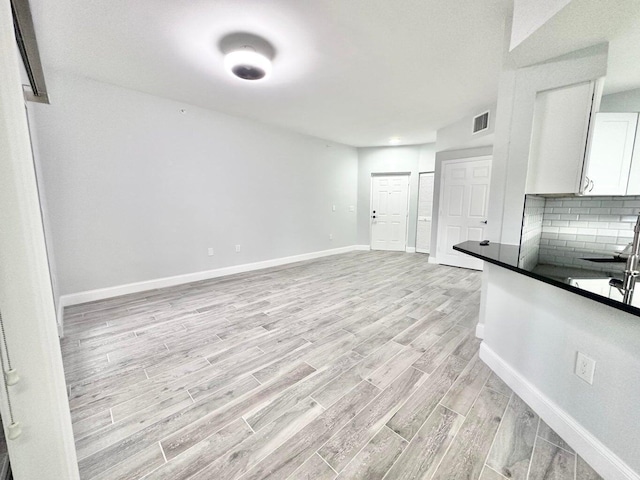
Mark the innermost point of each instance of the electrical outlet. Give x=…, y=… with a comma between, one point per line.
x=210, y=251
x=333, y=208
x=237, y=248
x=585, y=367
x=352, y=208
x=331, y=236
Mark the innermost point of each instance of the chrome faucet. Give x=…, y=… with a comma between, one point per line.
x=631, y=271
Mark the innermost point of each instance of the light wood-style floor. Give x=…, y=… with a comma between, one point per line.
x=362, y=365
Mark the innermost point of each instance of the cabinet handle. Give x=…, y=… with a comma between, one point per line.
x=590, y=189
x=586, y=184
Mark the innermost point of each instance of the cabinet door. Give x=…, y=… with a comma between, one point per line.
x=559, y=139
x=609, y=161
x=633, y=187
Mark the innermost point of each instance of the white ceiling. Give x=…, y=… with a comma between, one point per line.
x=353, y=71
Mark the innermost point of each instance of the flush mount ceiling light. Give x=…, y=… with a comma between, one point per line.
x=394, y=141
x=247, y=64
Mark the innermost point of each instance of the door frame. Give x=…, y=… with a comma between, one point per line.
x=418, y=250
x=389, y=174
x=443, y=166
x=39, y=401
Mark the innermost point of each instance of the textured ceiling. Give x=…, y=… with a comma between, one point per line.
x=353, y=71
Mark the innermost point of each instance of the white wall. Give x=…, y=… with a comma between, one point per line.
x=459, y=134
x=458, y=141
x=411, y=159
x=46, y=220
x=136, y=190
x=627, y=101
x=536, y=329
x=427, y=157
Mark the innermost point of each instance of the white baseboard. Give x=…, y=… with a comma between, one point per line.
x=480, y=331
x=603, y=460
x=433, y=260
x=421, y=250
x=410, y=249
x=362, y=247
x=110, y=292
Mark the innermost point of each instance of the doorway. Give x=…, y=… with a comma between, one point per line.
x=389, y=210
x=464, y=199
x=425, y=212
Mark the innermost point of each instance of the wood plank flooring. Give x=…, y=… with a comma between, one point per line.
x=355, y=366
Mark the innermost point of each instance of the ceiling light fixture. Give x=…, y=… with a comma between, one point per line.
x=394, y=141
x=247, y=64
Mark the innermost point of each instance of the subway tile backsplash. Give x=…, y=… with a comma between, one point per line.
x=600, y=220
x=576, y=227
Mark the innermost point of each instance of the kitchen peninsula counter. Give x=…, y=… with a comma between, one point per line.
x=572, y=280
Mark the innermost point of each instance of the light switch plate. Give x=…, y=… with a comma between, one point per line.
x=585, y=367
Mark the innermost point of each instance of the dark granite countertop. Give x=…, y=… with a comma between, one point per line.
x=566, y=278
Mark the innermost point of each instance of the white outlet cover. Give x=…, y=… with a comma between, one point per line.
x=333, y=208
x=585, y=367
x=237, y=248
x=210, y=251
x=352, y=208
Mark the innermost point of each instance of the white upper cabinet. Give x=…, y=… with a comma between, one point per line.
x=559, y=139
x=608, y=162
x=633, y=187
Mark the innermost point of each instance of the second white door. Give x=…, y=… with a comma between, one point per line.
x=464, y=200
x=425, y=207
x=389, y=203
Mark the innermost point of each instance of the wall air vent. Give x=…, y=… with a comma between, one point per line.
x=480, y=123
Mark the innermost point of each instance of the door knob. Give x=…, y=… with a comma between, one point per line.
x=484, y=221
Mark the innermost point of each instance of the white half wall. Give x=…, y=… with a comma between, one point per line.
x=532, y=330
x=411, y=159
x=137, y=190
x=535, y=330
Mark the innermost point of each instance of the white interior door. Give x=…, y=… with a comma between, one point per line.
x=389, y=204
x=464, y=198
x=425, y=208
